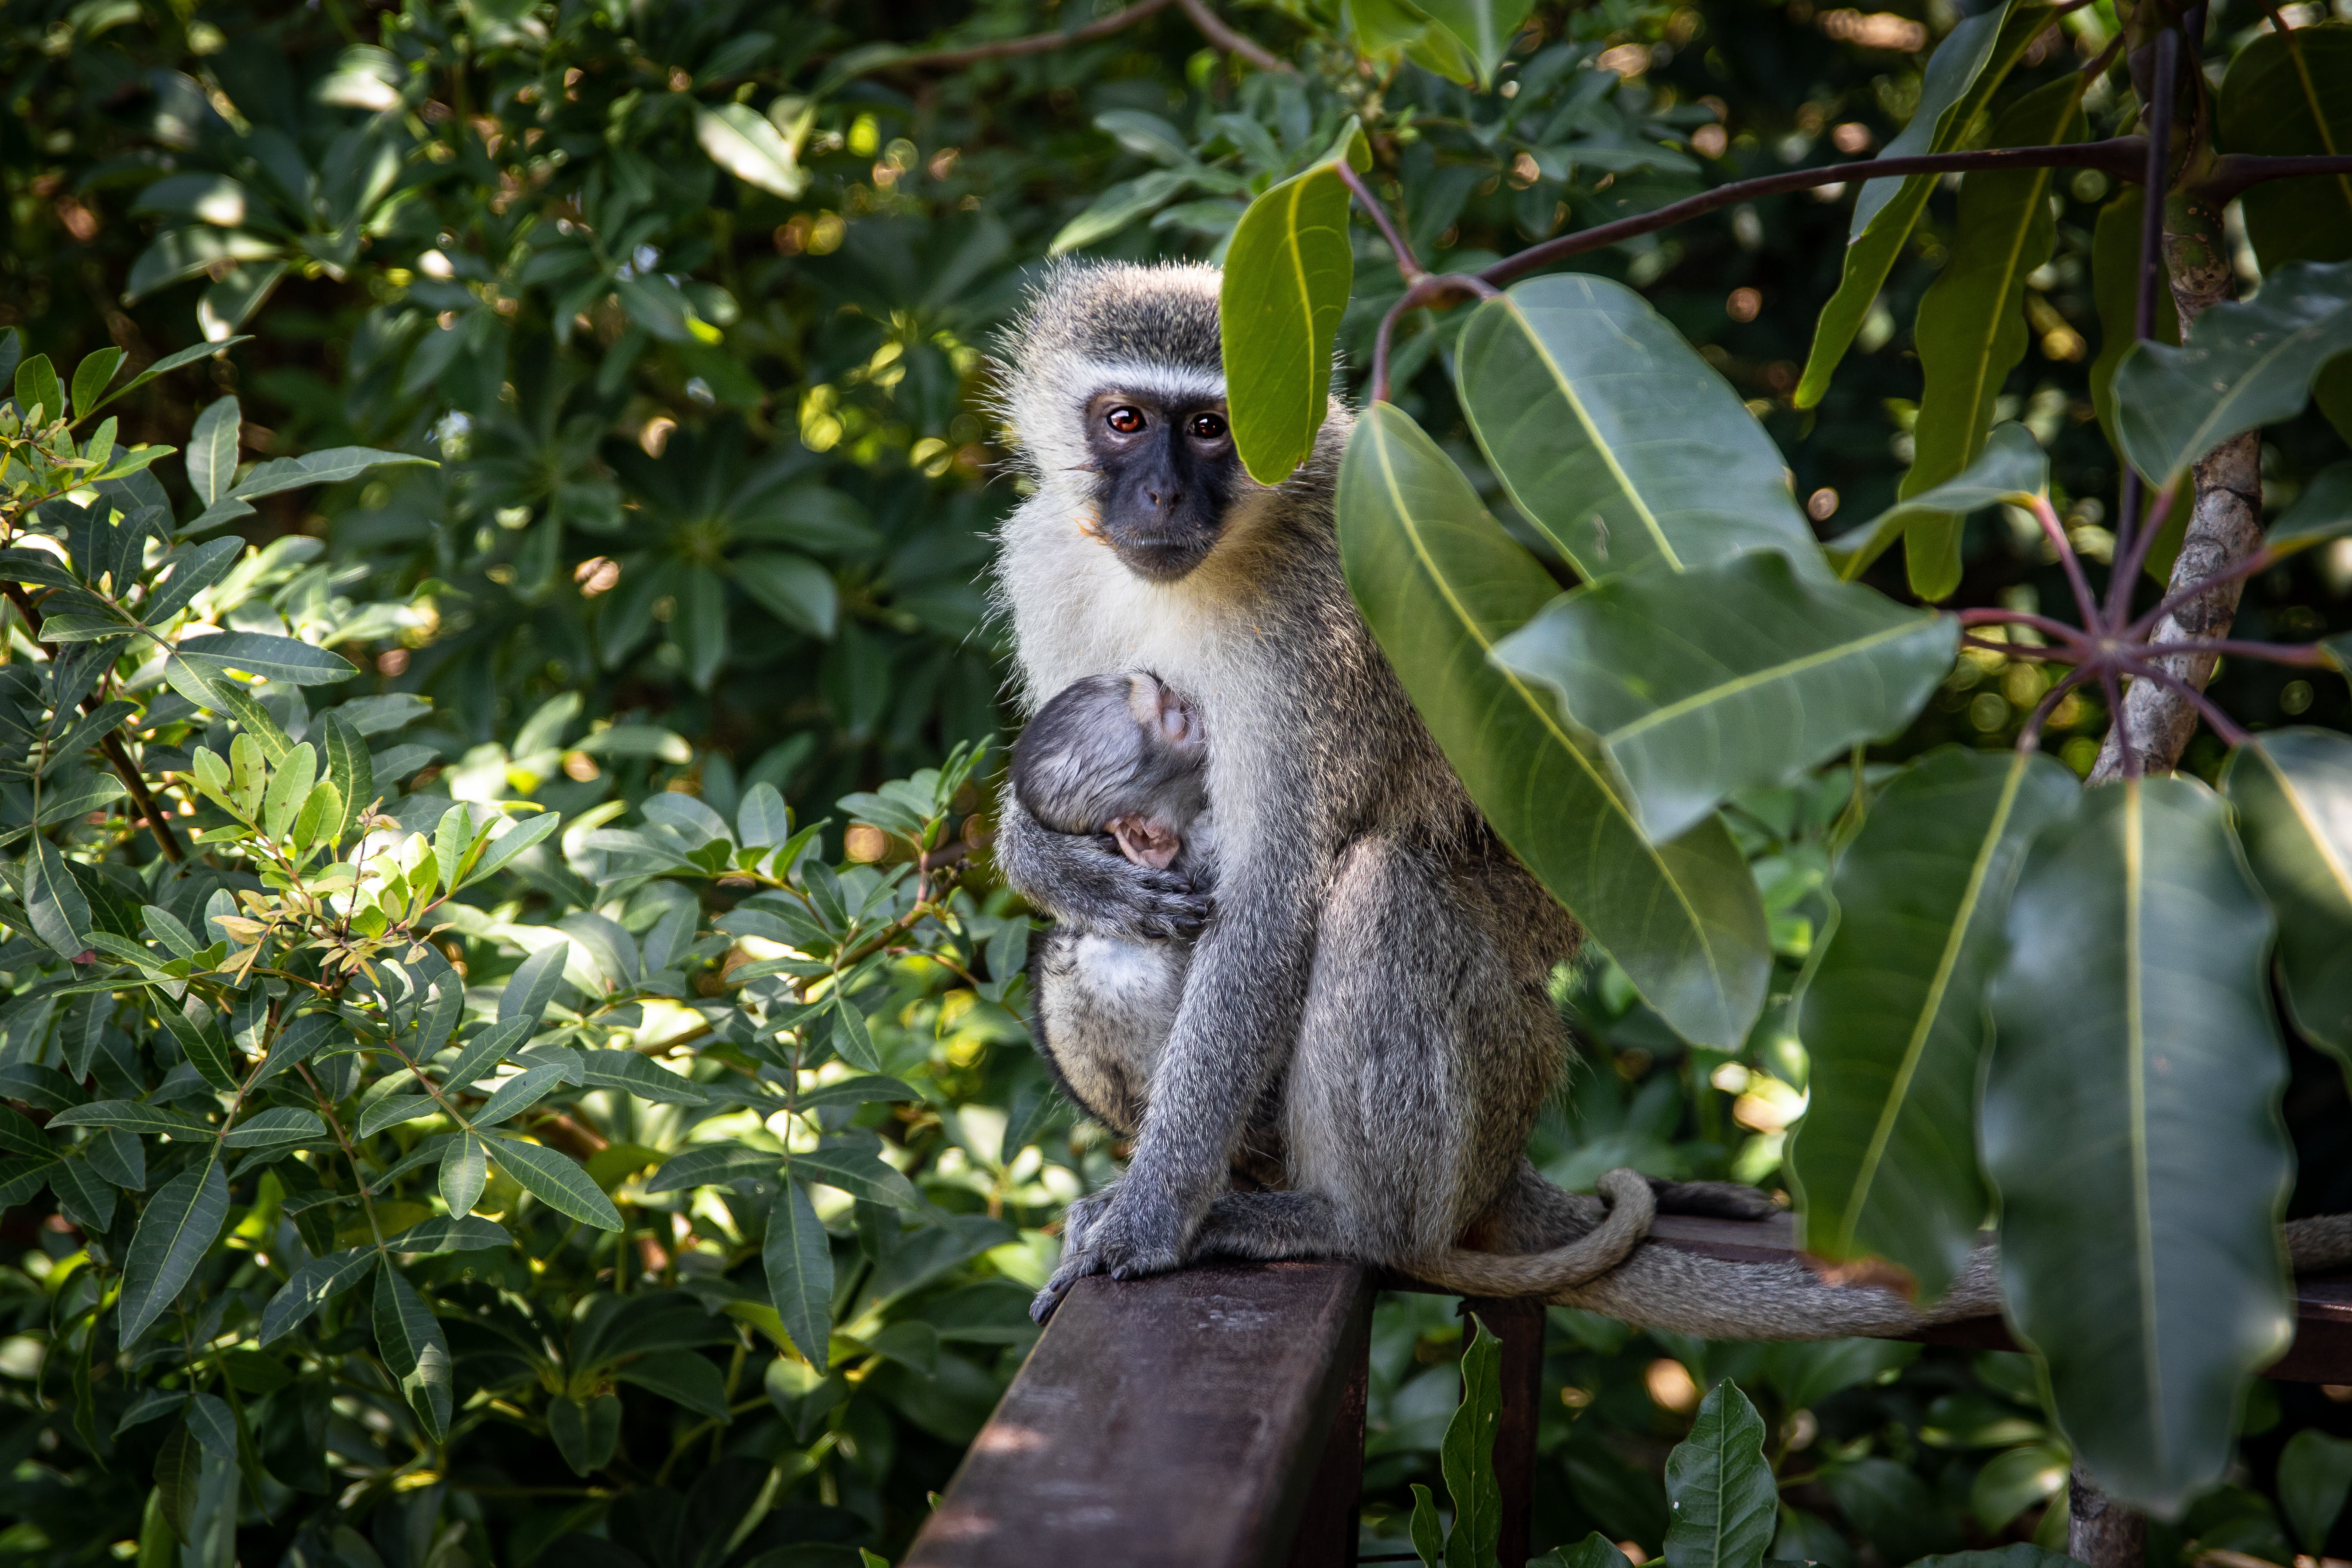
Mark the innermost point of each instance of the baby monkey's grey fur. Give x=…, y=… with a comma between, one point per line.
x=1123, y=756
x=1363, y=1033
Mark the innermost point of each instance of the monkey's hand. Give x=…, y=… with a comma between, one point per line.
x=1085, y=882
x=1100, y=1235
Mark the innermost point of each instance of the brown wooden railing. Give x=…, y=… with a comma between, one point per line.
x=1214, y=1418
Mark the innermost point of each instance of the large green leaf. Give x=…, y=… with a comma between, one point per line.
x=1725, y=1504
x=2131, y=1126
x=2293, y=789
x=290, y=660
x=2246, y=363
x=2011, y=467
x=332, y=466
x=2290, y=94
x=1698, y=684
x=554, y=1180
x=1289, y=271
x=1484, y=28
x=410, y=1339
x=1615, y=438
x=1467, y=1455
x=1893, y=1017
x=1962, y=74
x=175, y=1232
x=1971, y=330
x=799, y=1261
x=1440, y=584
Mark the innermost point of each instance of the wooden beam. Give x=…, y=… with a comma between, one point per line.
x=1175, y=1421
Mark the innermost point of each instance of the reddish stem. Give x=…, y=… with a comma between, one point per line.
x=2056, y=532
x=2310, y=656
x=2029, y=739
x=1992, y=618
x=2223, y=725
x=1407, y=262
x=2025, y=650
x=2258, y=561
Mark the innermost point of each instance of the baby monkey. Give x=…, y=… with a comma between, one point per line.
x=1121, y=757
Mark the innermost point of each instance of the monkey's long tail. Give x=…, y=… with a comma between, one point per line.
x=1632, y=1206
x=1662, y=1287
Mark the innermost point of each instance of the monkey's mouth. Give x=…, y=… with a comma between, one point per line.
x=1162, y=558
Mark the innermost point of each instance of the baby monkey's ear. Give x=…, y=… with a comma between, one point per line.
x=1144, y=841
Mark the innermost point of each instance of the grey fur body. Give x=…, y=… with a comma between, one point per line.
x=1369, y=1005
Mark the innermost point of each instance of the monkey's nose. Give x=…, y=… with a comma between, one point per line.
x=1165, y=501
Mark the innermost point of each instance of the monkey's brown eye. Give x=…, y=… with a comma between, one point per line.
x=1207, y=426
x=1125, y=420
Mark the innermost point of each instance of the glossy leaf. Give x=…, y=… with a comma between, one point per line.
x=53, y=900
x=211, y=450
x=1467, y=1455
x=450, y=1232
x=38, y=390
x=1971, y=330
x=1968, y=66
x=175, y=1232
x=2131, y=1126
x=266, y=654
x=409, y=1338
x=2286, y=94
x=2245, y=364
x=554, y=1180
x=2012, y=466
x=740, y=140
x=2323, y=511
x=1702, y=683
x=1893, y=1017
x=1615, y=439
x=2293, y=791
x=1485, y=29
x=1288, y=270
x=798, y=1261
x=1439, y=585
x=856, y=1171
x=1724, y=1499
x=332, y=466
x=91, y=377
x=2315, y=1474
x=464, y=1168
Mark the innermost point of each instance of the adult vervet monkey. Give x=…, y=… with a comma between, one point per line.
x=1369, y=991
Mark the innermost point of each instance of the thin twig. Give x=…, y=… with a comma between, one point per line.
x=2029, y=739
x=2223, y=725
x=2128, y=562
x=2113, y=690
x=2234, y=174
x=2121, y=156
x=1402, y=248
x=2309, y=656
x=1433, y=290
x=1997, y=617
x=2055, y=531
x=1214, y=28
x=1034, y=44
x=2120, y=584
x=2072, y=654
x=2261, y=560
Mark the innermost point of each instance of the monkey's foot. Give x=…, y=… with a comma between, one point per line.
x=1098, y=1237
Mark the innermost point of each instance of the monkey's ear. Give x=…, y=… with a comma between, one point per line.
x=1143, y=841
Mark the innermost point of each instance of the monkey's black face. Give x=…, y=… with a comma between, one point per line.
x=1165, y=473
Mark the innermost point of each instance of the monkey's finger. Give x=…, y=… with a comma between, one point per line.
x=1042, y=1305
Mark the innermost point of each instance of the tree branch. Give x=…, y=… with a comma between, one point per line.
x=2234, y=174
x=1214, y=28
x=2120, y=156
x=1034, y=44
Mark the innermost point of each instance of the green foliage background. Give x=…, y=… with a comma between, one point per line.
x=716, y=480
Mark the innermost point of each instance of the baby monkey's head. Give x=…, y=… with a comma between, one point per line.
x=1120, y=754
